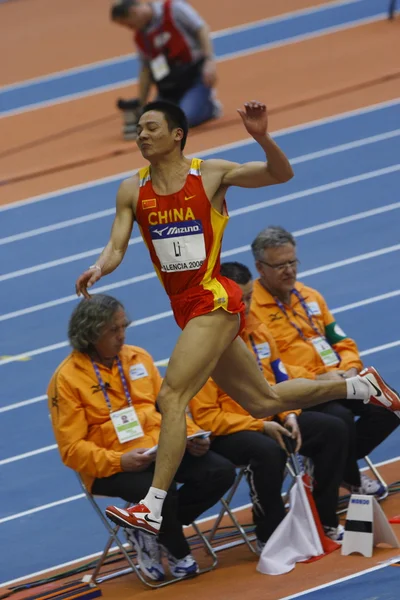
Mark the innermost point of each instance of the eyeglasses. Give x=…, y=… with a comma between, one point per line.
x=292, y=264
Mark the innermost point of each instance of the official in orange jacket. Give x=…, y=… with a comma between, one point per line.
x=308, y=336
x=104, y=417
x=259, y=443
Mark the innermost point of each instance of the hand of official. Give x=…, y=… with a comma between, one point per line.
x=198, y=446
x=292, y=425
x=276, y=432
x=209, y=73
x=332, y=375
x=135, y=460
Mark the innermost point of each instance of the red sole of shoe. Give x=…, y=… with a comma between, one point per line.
x=389, y=392
x=118, y=520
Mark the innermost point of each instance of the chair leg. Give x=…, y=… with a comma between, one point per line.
x=378, y=477
x=227, y=510
x=113, y=537
x=208, y=548
x=228, y=499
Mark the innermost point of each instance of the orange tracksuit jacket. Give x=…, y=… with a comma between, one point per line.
x=215, y=411
x=295, y=350
x=80, y=417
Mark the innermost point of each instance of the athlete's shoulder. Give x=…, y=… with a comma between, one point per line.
x=128, y=189
x=217, y=164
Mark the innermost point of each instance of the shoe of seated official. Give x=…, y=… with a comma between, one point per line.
x=137, y=516
x=259, y=546
x=368, y=487
x=381, y=394
x=181, y=567
x=148, y=552
x=336, y=534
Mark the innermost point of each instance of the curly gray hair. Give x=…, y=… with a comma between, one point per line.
x=88, y=320
x=271, y=237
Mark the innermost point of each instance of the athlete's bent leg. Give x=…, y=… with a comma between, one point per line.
x=194, y=357
x=238, y=374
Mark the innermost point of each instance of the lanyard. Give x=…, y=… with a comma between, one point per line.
x=309, y=316
x=103, y=387
x=256, y=353
x=306, y=310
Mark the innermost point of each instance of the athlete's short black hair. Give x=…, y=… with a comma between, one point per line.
x=174, y=115
x=236, y=271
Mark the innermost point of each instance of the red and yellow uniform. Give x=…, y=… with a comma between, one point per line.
x=183, y=233
x=81, y=420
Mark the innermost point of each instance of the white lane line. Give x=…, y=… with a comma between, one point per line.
x=240, y=211
x=342, y=580
x=214, y=34
x=164, y=362
x=245, y=142
x=163, y=315
x=96, y=251
x=106, y=213
x=79, y=496
x=304, y=37
x=203, y=520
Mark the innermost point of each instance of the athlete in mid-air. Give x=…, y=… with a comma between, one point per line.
x=179, y=205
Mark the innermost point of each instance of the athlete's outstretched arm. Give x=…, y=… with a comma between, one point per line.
x=114, y=252
x=276, y=169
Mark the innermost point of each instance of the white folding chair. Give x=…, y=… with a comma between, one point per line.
x=95, y=576
x=226, y=510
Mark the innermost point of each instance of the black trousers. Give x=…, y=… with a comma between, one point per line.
x=374, y=425
x=324, y=441
x=205, y=480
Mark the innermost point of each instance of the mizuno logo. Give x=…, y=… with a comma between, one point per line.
x=176, y=230
x=275, y=316
x=160, y=231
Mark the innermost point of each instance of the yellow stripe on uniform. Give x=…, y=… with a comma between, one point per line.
x=218, y=224
x=195, y=167
x=144, y=176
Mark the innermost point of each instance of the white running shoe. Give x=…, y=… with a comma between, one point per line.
x=148, y=553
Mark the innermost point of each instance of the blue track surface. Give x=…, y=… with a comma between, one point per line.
x=70, y=530
x=123, y=70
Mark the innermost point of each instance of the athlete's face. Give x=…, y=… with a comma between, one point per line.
x=154, y=137
x=113, y=336
x=278, y=269
x=247, y=294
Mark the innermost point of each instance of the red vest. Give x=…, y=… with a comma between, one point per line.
x=165, y=39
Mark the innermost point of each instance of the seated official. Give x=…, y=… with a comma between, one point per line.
x=102, y=399
x=308, y=336
x=259, y=443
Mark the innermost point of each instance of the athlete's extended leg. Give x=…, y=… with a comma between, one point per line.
x=195, y=355
x=238, y=374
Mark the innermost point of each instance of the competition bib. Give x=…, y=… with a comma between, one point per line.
x=126, y=424
x=159, y=67
x=179, y=246
x=325, y=351
x=263, y=350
